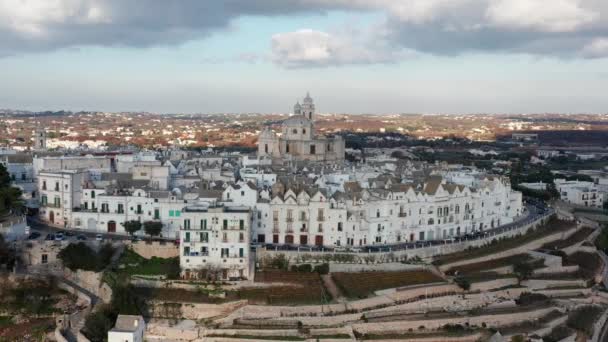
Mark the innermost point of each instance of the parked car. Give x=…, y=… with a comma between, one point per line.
x=99, y=237
x=81, y=237
x=33, y=236
x=59, y=237
x=69, y=233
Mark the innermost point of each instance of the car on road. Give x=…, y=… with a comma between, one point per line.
x=69, y=233
x=81, y=237
x=99, y=237
x=59, y=237
x=49, y=237
x=33, y=236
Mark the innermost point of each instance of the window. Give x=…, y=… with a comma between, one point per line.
x=339, y=226
x=303, y=130
x=286, y=148
x=313, y=149
x=242, y=224
x=187, y=237
x=204, y=236
x=225, y=224
x=241, y=237
x=139, y=211
x=294, y=131
x=43, y=185
x=225, y=252
x=44, y=200
x=56, y=186
x=178, y=213
x=187, y=224
x=45, y=258
x=241, y=252
x=121, y=208
x=157, y=214
x=204, y=224
x=93, y=194
x=171, y=213
x=266, y=148
x=57, y=202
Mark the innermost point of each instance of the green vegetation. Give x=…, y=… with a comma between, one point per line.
x=153, y=228
x=307, y=288
x=10, y=197
x=583, y=318
x=528, y=298
x=8, y=256
x=558, y=333
x=362, y=284
x=553, y=226
x=132, y=263
x=131, y=227
x=493, y=264
x=125, y=301
x=602, y=240
x=81, y=257
x=463, y=283
x=31, y=297
x=522, y=270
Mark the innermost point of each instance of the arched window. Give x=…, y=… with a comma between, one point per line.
x=431, y=221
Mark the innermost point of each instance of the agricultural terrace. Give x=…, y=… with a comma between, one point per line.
x=578, y=236
x=298, y=288
x=494, y=264
x=553, y=226
x=363, y=284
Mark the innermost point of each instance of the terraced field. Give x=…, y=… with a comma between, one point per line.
x=302, y=288
x=363, y=284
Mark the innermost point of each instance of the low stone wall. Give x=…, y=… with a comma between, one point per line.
x=536, y=284
x=184, y=331
x=193, y=311
x=492, y=284
x=391, y=266
x=495, y=320
x=560, y=269
x=154, y=249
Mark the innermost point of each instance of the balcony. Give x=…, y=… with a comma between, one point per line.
x=289, y=219
x=276, y=230
x=402, y=215
x=303, y=218
x=320, y=218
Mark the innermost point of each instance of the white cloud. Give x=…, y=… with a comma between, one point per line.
x=304, y=48
x=597, y=48
x=541, y=15
x=444, y=27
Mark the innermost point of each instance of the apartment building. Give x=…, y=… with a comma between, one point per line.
x=214, y=242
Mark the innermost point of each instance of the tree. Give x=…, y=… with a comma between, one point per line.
x=462, y=282
x=131, y=227
x=523, y=270
x=153, y=228
x=98, y=324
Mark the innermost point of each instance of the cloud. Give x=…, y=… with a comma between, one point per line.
x=445, y=27
x=597, y=48
x=310, y=48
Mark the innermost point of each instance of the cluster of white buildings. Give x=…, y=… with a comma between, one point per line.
x=587, y=194
x=218, y=205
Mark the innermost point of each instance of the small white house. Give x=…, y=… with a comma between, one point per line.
x=128, y=328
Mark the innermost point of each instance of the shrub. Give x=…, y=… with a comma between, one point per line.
x=463, y=283
x=528, y=298
x=322, y=269
x=583, y=318
x=81, y=257
x=305, y=268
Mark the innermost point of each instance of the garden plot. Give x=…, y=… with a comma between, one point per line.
x=363, y=284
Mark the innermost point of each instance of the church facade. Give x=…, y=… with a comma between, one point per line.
x=298, y=141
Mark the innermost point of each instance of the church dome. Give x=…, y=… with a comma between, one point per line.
x=296, y=121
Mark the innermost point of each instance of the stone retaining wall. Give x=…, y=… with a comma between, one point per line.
x=493, y=284
x=154, y=249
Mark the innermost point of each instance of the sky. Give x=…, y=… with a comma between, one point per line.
x=354, y=56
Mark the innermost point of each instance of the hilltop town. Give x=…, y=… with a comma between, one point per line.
x=307, y=226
